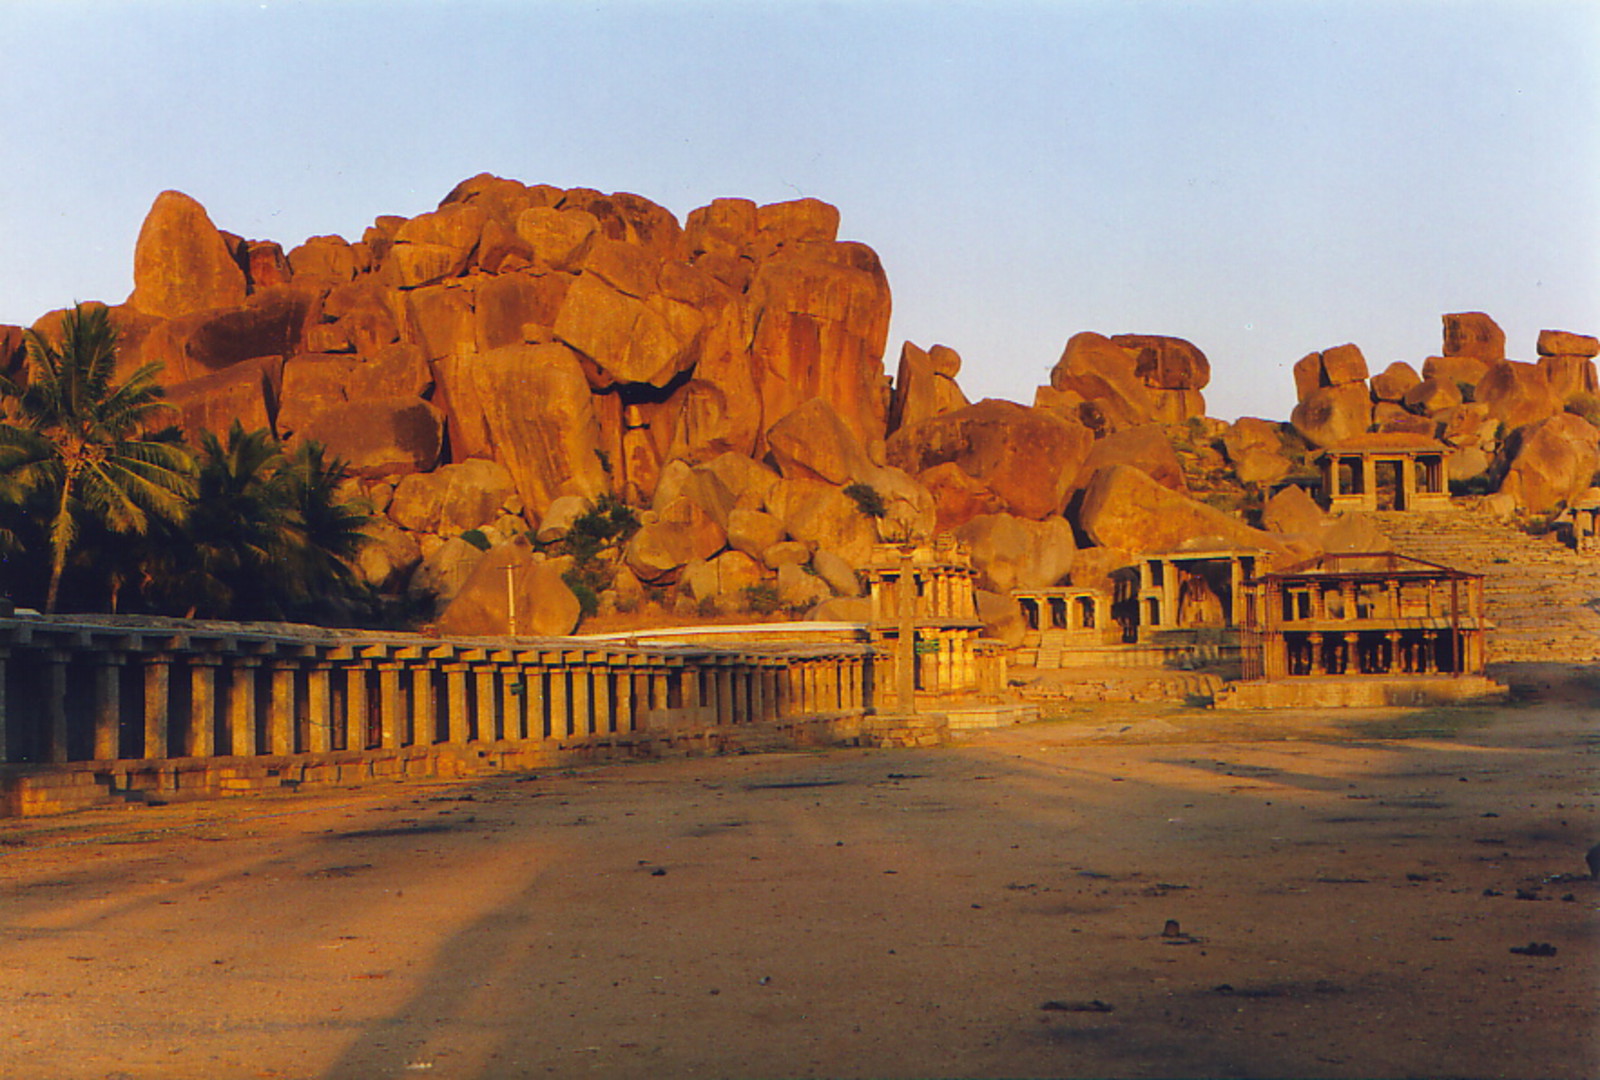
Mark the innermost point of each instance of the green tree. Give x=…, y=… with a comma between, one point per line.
x=268, y=536
x=82, y=444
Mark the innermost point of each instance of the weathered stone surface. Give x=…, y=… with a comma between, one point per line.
x=245, y=392
x=440, y=318
x=443, y=572
x=559, y=516
x=1027, y=457
x=181, y=264
x=1175, y=407
x=1145, y=447
x=415, y=265
x=754, y=532
x=1462, y=370
x=678, y=533
x=1468, y=463
x=1391, y=418
x=556, y=237
x=820, y=317
x=388, y=558
x=1292, y=511
x=1124, y=508
x=628, y=340
x=265, y=265
x=1002, y=617
x=723, y=579
x=1517, y=394
x=1552, y=462
x=837, y=572
x=1332, y=414
x=1307, y=375
x=363, y=312
x=325, y=260
x=1565, y=343
x=957, y=497
x=455, y=225
x=747, y=480
x=921, y=391
x=452, y=498
x=514, y=308
x=1472, y=333
x=725, y=226
x=1166, y=363
x=1015, y=553
x=382, y=437
x=546, y=606
x=315, y=382
x=632, y=218
x=271, y=323
x=814, y=443
x=1392, y=382
x=1343, y=364
x=529, y=407
x=1467, y=425
x=786, y=553
x=797, y=588
x=782, y=223
x=1250, y=432
x=823, y=516
x=1569, y=375
x=1432, y=395
x=1104, y=373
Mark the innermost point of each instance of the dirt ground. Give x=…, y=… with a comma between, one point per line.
x=1125, y=891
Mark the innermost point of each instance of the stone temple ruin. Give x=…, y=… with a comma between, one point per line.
x=822, y=553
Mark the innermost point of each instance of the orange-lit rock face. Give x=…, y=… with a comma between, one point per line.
x=181, y=264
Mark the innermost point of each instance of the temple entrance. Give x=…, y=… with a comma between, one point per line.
x=1389, y=484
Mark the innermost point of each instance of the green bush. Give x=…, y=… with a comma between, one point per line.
x=582, y=587
x=762, y=598
x=867, y=500
x=476, y=538
x=1585, y=405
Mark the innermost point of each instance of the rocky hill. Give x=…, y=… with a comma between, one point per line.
x=501, y=369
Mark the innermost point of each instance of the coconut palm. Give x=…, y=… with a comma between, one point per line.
x=83, y=442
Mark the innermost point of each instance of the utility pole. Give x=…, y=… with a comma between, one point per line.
x=511, y=600
x=905, y=646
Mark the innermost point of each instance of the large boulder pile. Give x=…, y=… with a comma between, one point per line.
x=497, y=368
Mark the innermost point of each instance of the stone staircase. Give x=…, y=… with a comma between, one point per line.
x=1542, y=597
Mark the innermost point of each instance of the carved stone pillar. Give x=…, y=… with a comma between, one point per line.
x=485, y=729
x=533, y=702
x=241, y=706
x=200, y=736
x=157, y=675
x=511, y=714
x=107, y=706
x=280, y=709
x=357, y=707
x=425, y=705
x=458, y=727
x=391, y=707
x=560, y=703
x=319, y=709
x=605, y=720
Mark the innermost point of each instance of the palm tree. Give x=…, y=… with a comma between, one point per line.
x=82, y=441
x=240, y=530
x=332, y=529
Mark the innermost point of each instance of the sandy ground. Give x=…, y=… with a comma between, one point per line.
x=1347, y=890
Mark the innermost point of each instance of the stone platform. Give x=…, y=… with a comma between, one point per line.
x=1311, y=692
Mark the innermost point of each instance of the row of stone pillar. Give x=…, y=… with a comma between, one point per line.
x=202, y=705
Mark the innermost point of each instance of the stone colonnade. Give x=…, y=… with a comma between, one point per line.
x=82, y=689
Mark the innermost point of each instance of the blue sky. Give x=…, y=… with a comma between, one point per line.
x=1265, y=179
